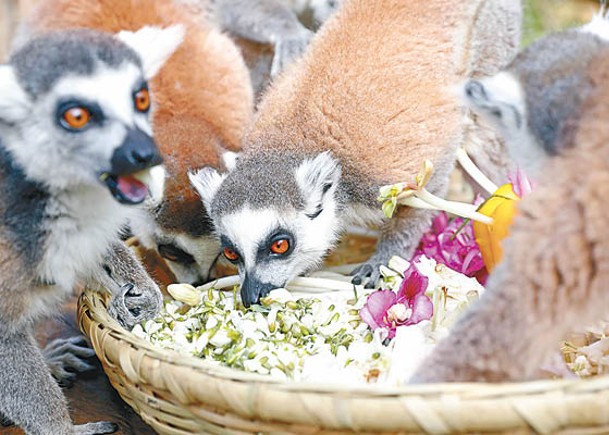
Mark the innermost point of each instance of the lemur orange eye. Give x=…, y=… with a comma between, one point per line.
x=230, y=254
x=280, y=246
x=142, y=100
x=76, y=117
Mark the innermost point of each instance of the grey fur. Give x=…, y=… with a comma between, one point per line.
x=257, y=191
x=266, y=22
x=278, y=186
x=553, y=80
x=136, y=296
x=42, y=61
x=552, y=72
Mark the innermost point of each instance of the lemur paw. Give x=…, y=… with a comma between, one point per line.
x=370, y=273
x=101, y=427
x=65, y=357
x=133, y=305
x=288, y=49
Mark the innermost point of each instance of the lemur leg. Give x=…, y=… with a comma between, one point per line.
x=400, y=235
x=136, y=297
x=266, y=22
x=65, y=357
x=28, y=394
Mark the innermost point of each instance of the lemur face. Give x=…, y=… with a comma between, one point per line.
x=281, y=229
x=500, y=101
x=83, y=113
x=533, y=99
x=190, y=257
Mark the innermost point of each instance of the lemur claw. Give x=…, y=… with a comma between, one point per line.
x=371, y=271
x=101, y=427
x=65, y=357
x=133, y=305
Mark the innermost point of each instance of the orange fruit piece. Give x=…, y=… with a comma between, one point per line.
x=501, y=206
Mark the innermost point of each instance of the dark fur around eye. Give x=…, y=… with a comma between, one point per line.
x=97, y=114
x=173, y=253
x=280, y=236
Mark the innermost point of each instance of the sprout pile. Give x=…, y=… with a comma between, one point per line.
x=297, y=336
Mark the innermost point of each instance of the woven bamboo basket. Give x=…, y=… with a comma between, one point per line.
x=177, y=394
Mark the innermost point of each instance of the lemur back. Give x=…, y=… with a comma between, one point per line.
x=552, y=280
x=373, y=90
x=369, y=101
x=203, y=102
x=373, y=93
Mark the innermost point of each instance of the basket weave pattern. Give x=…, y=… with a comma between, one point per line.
x=177, y=394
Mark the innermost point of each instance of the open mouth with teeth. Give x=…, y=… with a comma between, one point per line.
x=128, y=189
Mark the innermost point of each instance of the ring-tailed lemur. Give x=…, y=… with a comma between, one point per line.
x=552, y=104
x=75, y=142
x=365, y=106
x=532, y=100
x=204, y=104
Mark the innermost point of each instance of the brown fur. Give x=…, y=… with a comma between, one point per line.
x=203, y=95
x=556, y=268
x=381, y=101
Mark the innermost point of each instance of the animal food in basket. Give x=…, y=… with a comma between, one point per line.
x=322, y=329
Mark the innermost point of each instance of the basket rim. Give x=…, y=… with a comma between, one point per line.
x=95, y=303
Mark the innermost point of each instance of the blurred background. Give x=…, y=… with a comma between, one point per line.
x=541, y=16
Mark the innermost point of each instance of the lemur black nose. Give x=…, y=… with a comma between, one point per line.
x=138, y=151
x=142, y=155
x=252, y=290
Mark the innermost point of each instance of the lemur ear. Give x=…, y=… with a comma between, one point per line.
x=229, y=158
x=206, y=181
x=318, y=179
x=154, y=45
x=498, y=99
x=14, y=102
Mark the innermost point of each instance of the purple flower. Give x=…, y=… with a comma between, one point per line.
x=452, y=243
x=387, y=310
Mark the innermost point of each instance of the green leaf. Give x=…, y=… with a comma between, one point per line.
x=389, y=207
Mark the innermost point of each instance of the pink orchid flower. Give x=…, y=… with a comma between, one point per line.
x=521, y=184
x=452, y=243
x=388, y=310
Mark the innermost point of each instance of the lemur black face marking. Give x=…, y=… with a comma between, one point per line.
x=75, y=115
x=141, y=98
x=231, y=253
x=277, y=247
x=173, y=253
